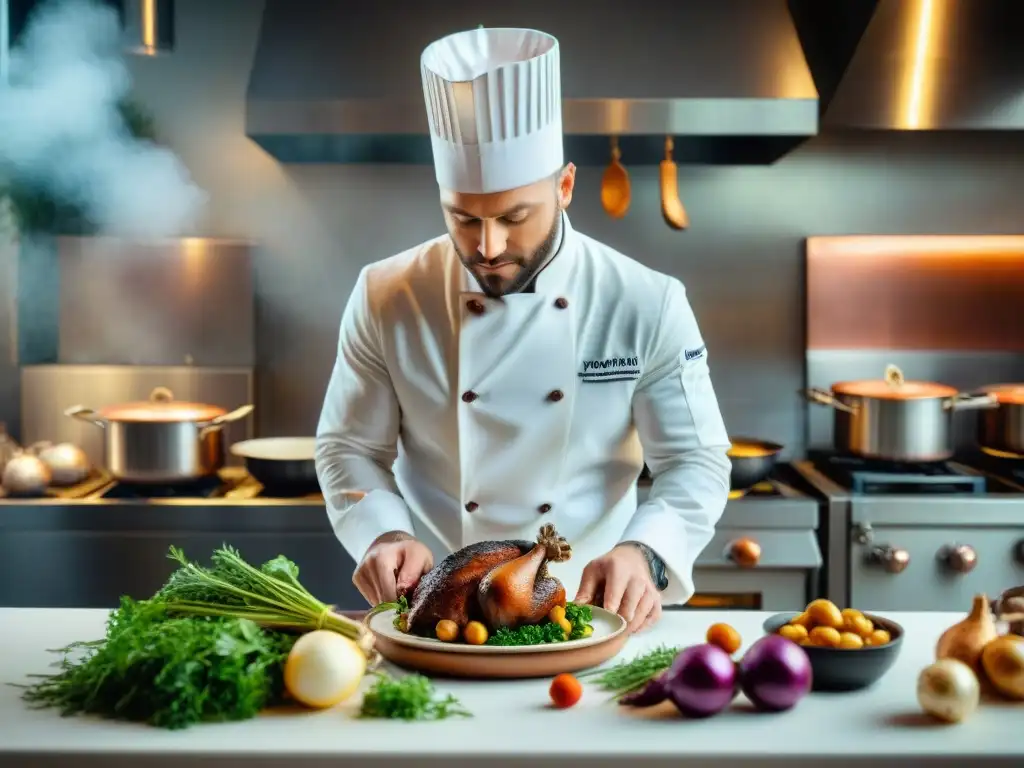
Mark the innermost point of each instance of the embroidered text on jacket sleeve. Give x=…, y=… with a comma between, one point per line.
x=685, y=444
x=357, y=436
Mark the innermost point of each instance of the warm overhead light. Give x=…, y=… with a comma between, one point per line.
x=148, y=26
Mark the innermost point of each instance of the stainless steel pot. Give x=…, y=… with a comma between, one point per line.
x=1001, y=431
x=162, y=440
x=894, y=419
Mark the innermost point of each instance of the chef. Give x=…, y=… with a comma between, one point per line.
x=515, y=372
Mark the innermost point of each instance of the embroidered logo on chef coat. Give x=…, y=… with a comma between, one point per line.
x=693, y=354
x=625, y=368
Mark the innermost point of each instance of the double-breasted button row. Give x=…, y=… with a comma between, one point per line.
x=472, y=506
x=554, y=395
x=477, y=307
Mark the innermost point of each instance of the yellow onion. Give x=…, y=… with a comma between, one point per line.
x=966, y=639
x=1003, y=662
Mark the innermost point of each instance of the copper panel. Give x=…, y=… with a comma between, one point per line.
x=916, y=293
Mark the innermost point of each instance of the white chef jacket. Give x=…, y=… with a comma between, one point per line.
x=459, y=418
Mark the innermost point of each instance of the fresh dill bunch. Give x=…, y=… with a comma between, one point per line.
x=167, y=672
x=630, y=675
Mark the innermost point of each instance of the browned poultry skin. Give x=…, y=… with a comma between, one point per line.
x=521, y=591
x=449, y=589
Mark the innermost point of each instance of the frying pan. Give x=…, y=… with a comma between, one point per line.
x=752, y=461
x=282, y=465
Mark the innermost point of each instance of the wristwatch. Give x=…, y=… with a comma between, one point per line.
x=655, y=563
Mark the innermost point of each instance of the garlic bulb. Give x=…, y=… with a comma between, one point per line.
x=67, y=462
x=26, y=475
x=948, y=690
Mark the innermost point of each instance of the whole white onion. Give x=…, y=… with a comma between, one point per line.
x=948, y=690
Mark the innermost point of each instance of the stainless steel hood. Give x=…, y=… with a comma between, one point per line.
x=945, y=65
x=727, y=78
x=147, y=26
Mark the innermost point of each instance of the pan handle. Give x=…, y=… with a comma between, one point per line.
x=88, y=415
x=219, y=422
x=824, y=397
x=965, y=402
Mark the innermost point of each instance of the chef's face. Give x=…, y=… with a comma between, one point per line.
x=505, y=238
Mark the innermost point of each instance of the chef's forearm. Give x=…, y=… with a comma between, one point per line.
x=362, y=498
x=678, y=519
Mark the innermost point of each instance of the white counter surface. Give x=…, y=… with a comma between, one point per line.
x=512, y=723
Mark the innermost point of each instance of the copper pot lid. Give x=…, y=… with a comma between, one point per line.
x=894, y=387
x=163, y=408
x=1008, y=394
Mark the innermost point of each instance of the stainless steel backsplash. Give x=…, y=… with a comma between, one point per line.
x=188, y=301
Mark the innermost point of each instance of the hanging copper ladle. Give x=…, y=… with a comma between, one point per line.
x=615, y=189
x=672, y=209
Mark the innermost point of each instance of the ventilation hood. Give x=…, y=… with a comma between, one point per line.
x=727, y=78
x=941, y=65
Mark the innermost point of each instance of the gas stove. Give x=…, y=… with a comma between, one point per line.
x=928, y=536
x=231, y=484
x=870, y=477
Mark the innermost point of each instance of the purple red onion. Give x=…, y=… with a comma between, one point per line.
x=701, y=681
x=775, y=673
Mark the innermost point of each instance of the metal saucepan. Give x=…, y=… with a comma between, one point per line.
x=162, y=440
x=752, y=461
x=895, y=419
x=282, y=465
x=1001, y=430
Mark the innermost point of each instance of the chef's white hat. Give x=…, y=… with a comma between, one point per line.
x=494, y=104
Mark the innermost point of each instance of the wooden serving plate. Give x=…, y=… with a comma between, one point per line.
x=433, y=657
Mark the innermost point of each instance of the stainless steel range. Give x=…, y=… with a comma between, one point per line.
x=84, y=547
x=923, y=537
x=765, y=554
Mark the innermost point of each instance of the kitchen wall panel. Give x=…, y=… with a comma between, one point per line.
x=742, y=259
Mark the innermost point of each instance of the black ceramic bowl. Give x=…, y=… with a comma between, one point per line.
x=842, y=669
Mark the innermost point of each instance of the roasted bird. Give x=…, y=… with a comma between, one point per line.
x=502, y=583
x=522, y=591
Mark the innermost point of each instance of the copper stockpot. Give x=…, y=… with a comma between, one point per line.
x=162, y=440
x=894, y=419
x=1001, y=431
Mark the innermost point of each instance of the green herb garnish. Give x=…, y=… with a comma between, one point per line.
x=408, y=698
x=528, y=634
x=168, y=672
x=630, y=675
x=399, y=606
x=579, y=616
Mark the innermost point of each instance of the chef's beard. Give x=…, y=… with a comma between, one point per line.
x=496, y=286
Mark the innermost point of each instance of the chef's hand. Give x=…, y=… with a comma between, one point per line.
x=392, y=565
x=623, y=579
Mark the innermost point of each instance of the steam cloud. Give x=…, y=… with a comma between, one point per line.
x=61, y=129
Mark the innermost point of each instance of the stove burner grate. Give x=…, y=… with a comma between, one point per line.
x=869, y=477
x=197, y=489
